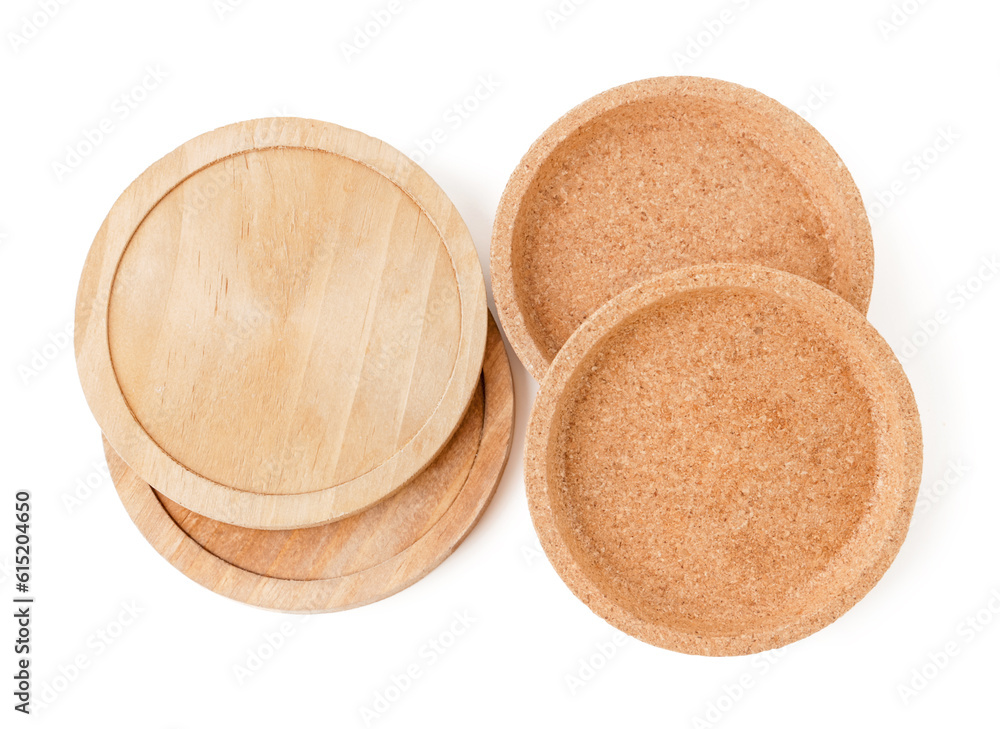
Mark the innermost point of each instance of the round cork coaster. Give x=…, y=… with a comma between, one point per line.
x=723, y=460
x=280, y=323
x=657, y=175
x=360, y=559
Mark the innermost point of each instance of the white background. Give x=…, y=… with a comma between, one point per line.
x=883, y=97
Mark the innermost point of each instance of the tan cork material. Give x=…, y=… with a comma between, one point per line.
x=280, y=323
x=723, y=460
x=360, y=559
x=660, y=174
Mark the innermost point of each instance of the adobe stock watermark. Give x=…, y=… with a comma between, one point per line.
x=372, y=28
x=263, y=651
x=898, y=16
x=559, y=14
x=95, y=645
x=591, y=665
x=291, y=458
x=455, y=117
x=96, y=480
x=938, y=660
x=32, y=24
x=389, y=351
x=819, y=95
x=428, y=654
x=124, y=105
x=224, y=8
x=217, y=179
x=914, y=170
x=732, y=694
x=532, y=554
x=956, y=300
x=931, y=494
x=246, y=323
x=40, y=358
x=711, y=30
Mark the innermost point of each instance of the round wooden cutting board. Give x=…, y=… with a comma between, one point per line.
x=360, y=559
x=661, y=174
x=723, y=460
x=280, y=323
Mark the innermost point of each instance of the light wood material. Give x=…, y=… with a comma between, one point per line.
x=723, y=460
x=660, y=174
x=362, y=558
x=280, y=323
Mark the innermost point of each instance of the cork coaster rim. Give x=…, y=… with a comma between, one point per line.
x=513, y=317
x=364, y=586
x=898, y=509
x=315, y=503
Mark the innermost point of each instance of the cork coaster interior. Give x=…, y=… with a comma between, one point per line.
x=280, y=323
x=723, y=459
x=360, y=559
x=660, y=174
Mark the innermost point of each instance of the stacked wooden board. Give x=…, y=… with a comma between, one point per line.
x=281, y=330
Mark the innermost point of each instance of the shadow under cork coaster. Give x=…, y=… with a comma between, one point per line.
x=280, y=323
x=360, y=559
x=660, y=174
x=723, y=460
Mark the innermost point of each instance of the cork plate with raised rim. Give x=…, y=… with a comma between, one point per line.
x=280, y=323
x=723, y=460
x=660, y=174
x=358, y=560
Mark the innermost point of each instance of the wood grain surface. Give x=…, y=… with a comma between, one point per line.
x=723, y=460
x=280, y=323
x=360, y=559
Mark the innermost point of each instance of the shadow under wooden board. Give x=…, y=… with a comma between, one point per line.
x=723, y=460
x=280, y=323
x=358, y=560
x=660, y=174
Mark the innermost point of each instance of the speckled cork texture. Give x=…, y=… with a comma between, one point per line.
x=660, y=174
x=723, y=459
x=357, y=560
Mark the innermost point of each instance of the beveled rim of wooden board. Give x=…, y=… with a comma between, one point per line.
x=861, y=560
x=791, y=138
x=227, y=502
x=443, y=533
